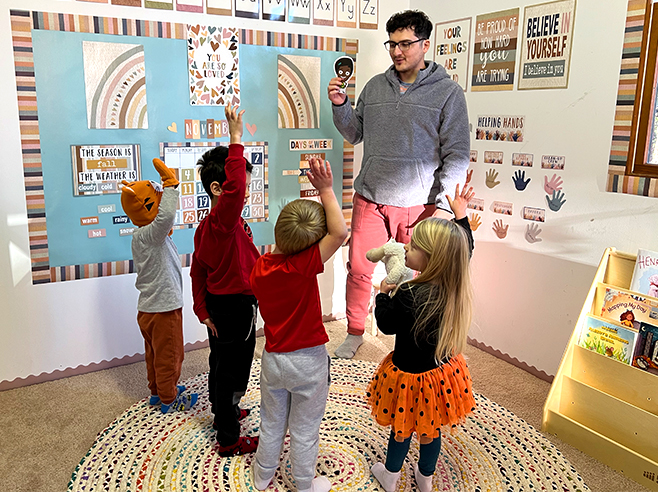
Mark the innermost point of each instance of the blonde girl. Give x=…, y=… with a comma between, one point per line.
x=424, y=384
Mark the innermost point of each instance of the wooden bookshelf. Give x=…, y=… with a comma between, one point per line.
x=605, y=408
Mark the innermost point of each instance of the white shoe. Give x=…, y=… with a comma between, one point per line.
x=387, y=479
x=424, y=483
x=261, y=483
x=319, y=484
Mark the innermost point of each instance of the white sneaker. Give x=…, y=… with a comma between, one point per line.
x=387, y=479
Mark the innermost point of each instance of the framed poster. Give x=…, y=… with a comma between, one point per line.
x=274, y=10
x=219, y=7
x=452, y=48
x=494, y=51
x=346, y=13
x=546, y=47
x=98, y=169
x=213, y=63
x=369, y=16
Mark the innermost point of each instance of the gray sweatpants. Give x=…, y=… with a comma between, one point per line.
x=294, y=387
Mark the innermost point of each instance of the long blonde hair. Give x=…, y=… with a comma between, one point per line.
x=444, y=288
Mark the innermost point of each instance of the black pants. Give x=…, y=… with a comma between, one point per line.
x=231, y=353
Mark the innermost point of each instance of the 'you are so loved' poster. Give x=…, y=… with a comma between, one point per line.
x=212, y=56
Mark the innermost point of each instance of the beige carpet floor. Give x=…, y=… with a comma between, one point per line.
x=45, y=429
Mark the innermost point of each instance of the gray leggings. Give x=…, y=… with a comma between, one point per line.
x=294, y=388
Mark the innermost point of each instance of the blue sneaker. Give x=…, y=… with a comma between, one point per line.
x=182, y=403
x=155, y=399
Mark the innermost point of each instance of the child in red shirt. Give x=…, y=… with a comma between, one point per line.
x=224, y=254
x=295, y=365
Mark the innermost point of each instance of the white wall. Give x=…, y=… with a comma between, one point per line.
x=530, y=295
x=64, y=325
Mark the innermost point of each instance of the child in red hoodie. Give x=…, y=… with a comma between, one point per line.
x=224, y=254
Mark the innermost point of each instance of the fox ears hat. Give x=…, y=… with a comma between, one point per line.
x=141, y=200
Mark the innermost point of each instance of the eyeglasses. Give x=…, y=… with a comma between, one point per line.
x=403, y=45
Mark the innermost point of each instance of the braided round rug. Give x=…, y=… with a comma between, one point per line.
x=144, y=450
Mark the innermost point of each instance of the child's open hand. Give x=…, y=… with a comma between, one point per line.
x=459, y=204
x=320, y=174
x=234, y=120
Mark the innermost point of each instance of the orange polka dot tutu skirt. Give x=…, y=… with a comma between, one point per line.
x=422, y=403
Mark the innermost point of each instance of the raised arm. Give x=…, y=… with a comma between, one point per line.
x=322, y=179
x=158, y=230
x=226, y=214
x=458, y=205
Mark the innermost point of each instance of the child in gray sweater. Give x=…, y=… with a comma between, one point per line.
x=160, y=285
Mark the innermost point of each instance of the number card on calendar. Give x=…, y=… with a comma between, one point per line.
x=194, y=202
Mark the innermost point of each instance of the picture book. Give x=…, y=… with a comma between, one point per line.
x=645, y=273
x=645, y=355
x=606, y=338
x=628, y=309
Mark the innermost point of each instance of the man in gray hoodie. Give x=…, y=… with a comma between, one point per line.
x=413, y=122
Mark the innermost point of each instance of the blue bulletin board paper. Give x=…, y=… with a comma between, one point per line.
x=63, y=122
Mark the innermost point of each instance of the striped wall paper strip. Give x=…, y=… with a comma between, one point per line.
x=22, y=23
x=617, y=182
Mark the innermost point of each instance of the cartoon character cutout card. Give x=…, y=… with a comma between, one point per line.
x=344, y=69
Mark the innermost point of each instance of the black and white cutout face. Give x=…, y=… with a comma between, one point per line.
x=344, y=68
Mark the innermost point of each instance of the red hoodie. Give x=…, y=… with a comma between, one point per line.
x=224, y=251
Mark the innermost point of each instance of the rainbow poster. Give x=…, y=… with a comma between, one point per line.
x=115, y=85
x=299, y=91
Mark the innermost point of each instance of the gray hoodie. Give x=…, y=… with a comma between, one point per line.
x=416, y=144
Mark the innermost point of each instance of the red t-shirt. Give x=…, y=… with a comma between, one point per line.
x=286, y=287
x=224, y=251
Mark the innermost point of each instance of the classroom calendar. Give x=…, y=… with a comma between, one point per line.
x=194, y=202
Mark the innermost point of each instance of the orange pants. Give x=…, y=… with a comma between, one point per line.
x=163, y=341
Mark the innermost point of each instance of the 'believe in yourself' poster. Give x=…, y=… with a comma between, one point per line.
x=546, y=47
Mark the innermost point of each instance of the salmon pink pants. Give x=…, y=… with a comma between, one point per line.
x=372, y=226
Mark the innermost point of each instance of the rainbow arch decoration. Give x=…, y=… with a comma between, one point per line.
x=115, y=85
x=299, y=91
x=25, y=22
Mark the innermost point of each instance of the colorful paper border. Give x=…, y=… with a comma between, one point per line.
x=618, y=181
x=22, y=23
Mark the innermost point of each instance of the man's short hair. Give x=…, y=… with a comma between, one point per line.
x=301, y=223
x=415, y=20
x=211, y=167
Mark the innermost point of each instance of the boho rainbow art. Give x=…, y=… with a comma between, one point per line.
x=115, y=83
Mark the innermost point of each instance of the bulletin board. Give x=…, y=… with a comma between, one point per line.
x=75, y=236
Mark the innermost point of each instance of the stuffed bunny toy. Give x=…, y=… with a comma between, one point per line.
x=392, y=254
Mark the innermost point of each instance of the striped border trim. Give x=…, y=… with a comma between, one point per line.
x=22, y=23
x=21, y=32
x=617, y=181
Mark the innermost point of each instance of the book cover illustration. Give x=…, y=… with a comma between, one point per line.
x=607, y=339
x=645, y=355
x=628, y=309
x=645, y=273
